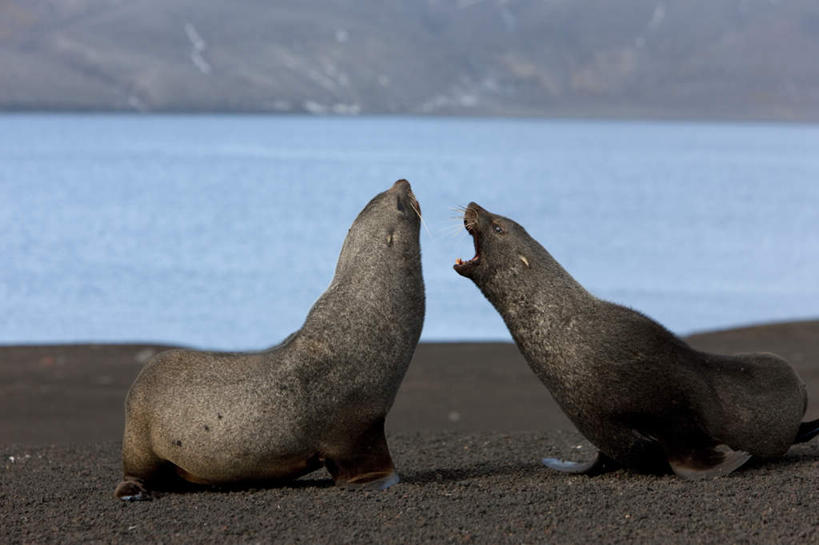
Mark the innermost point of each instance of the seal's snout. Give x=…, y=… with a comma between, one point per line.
x=404, y=190
x=471, y=217
x=477, y=209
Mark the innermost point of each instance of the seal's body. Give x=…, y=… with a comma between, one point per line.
x=641, y=395
x=319, y=398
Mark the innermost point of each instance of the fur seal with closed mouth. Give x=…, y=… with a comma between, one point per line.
x=319, y=398
x=643, y=397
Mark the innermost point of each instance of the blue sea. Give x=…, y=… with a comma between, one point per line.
x=220, y=231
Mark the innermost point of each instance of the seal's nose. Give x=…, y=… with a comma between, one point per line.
x=475, y=207
x=401, y=184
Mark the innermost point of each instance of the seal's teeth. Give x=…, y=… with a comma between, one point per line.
x=459, y=261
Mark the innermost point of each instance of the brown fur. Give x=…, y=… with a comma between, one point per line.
x=319, y=398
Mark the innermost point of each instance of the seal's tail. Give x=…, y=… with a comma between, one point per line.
x=807, y=431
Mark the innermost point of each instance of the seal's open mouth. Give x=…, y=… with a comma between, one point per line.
x=471, y=225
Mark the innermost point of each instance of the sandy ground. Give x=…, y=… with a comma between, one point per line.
x=467, y=431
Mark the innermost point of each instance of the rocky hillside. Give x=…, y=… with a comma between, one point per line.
x=745, y=59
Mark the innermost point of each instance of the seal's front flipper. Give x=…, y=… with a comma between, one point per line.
x=707, y=462
x=379, y=483
x=807, y=431
x=600, y=464
x=363, y=463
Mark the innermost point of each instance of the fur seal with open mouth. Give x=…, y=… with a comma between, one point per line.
x=639, y=394
x=319, y=398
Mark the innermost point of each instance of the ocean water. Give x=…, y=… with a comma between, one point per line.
x=221, y=231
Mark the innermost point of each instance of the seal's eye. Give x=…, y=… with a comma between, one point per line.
x=398, y=204
x=498, y=229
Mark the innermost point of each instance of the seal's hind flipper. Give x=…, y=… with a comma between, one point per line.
x=600, y=464
x=132, y=490
x=707, y=462
x=807, y=431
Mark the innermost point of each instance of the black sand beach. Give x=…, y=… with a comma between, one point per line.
x=467, y=431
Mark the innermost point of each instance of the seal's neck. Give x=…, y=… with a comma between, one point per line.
x=537, y=299
x=376, y=296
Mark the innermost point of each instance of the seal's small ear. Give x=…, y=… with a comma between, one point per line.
x=389, y=238
x=525, y=261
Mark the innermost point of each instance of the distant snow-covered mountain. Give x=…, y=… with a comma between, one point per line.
x=745, y=59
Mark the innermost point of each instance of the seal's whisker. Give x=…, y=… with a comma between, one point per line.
x=454, y=234
x=455, y=230
x=426, y=228
x=460, y=212
x=456, y=224
x=420, y=217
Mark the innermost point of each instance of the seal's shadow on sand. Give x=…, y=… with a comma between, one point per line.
x=797, y=455
x=321, y=479
x=527, y=469
x=172, y=484
x=183, y=487
x=477, y=471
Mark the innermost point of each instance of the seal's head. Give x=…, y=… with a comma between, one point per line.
x=500, y=245
x=386, y=229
